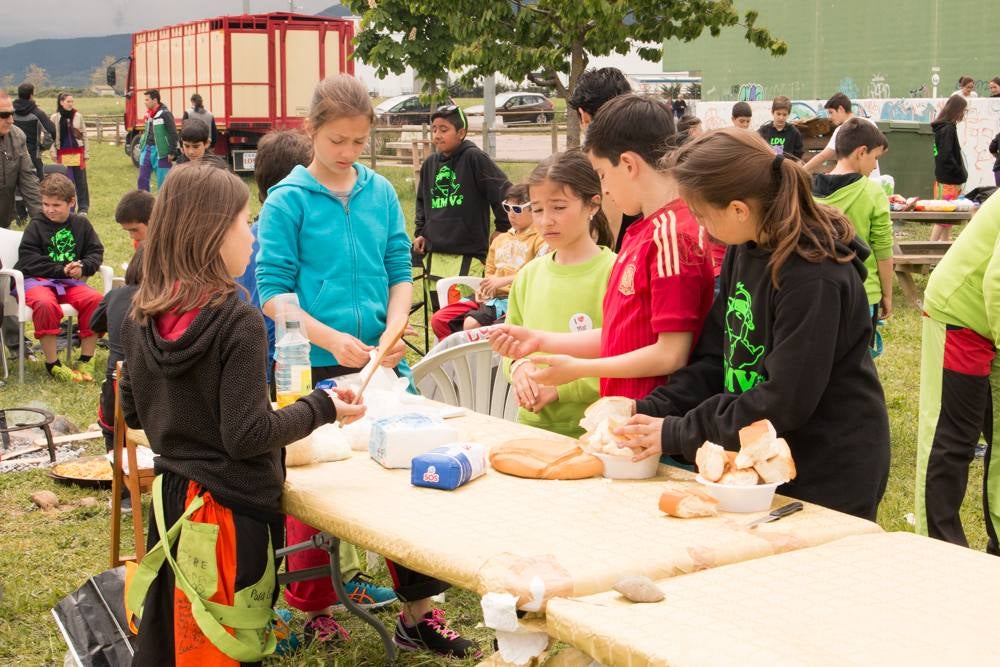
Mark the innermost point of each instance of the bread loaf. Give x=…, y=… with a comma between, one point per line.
x=711, y=461
x=740, y=477
x=779, y=468
x=687, y=503
x=600, y=421
x=535, y=458
x=756, y=444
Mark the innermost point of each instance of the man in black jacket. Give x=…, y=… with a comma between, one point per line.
x=37, y=127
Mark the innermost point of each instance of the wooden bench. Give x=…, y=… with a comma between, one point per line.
x=916, y=257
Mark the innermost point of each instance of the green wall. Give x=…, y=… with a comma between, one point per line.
x=866, y=48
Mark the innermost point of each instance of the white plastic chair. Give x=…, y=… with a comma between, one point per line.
x=468, y=376
x=444, y=284
x=15, y=304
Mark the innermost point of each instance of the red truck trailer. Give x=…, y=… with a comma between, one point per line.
x=255, y=73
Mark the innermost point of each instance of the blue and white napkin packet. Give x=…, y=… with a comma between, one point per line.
x=449, y=467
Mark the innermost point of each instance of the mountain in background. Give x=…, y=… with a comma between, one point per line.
x=70, y=63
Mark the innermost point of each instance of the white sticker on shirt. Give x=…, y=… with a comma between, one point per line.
x=580, y=322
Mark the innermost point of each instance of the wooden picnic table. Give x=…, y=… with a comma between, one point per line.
x=862, y=601
x=911, y=258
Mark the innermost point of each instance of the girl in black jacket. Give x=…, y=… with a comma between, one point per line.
x=949, y=167
x=787, y=337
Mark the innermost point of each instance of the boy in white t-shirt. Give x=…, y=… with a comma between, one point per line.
x=839, y=108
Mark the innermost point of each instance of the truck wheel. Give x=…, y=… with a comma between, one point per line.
x=135, y=151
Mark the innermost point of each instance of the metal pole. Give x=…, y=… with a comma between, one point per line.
x=489, y=114
x=246, y=7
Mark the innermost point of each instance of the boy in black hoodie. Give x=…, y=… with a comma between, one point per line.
x=783, y=137
x=58, y=251
x=459, y=184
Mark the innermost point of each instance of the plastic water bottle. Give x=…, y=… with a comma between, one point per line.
x=292, y=371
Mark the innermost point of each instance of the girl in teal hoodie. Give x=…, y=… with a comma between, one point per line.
x=334, y=234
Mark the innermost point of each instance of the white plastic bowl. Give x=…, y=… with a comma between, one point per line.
x=732, y=498
x=622, y=467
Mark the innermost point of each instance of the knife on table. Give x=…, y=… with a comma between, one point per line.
x=783, y=511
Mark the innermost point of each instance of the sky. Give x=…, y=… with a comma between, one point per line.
x=36, y=19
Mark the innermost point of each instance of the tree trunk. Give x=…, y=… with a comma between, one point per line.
x=577, y=63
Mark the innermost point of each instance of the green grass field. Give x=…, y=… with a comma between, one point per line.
x=44, y=556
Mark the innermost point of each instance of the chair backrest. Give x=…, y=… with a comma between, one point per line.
x=468, y=376
x=10, y=241
x=444, y=284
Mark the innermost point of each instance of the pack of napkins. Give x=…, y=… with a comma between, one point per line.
x=449, y=467
x=397, y=439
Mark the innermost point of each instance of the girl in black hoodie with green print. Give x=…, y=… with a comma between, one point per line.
x=950, y=173
x=787, y=338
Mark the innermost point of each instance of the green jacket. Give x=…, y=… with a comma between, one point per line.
x=865, y=204
x=964, y=289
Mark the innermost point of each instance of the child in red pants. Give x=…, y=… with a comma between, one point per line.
x=58, y=251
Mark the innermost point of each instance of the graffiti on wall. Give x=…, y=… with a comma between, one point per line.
x=749, y=92
x=848, y=87
x=982, y=123
x=878, y=88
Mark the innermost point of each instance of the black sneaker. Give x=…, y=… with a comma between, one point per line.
x=432, y=634
x=325, y=630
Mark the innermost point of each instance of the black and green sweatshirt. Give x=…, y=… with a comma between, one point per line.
x=786, y=141
x=798, y=356
x=949, y=167
x=47, y=247
x=454, y=199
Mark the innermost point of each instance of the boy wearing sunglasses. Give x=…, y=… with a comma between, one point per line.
x=509, y=252
x=459, y=184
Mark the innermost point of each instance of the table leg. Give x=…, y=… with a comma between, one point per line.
x=331, y=544
x=910, y=290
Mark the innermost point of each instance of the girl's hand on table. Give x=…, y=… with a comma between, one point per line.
x=645, y=436
x=349, y=351
x=343, y=401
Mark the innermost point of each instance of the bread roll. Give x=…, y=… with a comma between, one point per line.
x=711, y=461
x=597, y=418
x=535, y=458
x=738, y=477
x=756, y=444
x=780, y=468
x=688, y=503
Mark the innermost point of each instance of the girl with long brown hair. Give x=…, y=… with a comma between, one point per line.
x=950, y=173
x=194, y=380
x=787, y=338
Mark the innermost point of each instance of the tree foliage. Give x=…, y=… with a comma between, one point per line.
x=36, y=75
x=538, y=40
x=99, y=76
x=395, y=34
